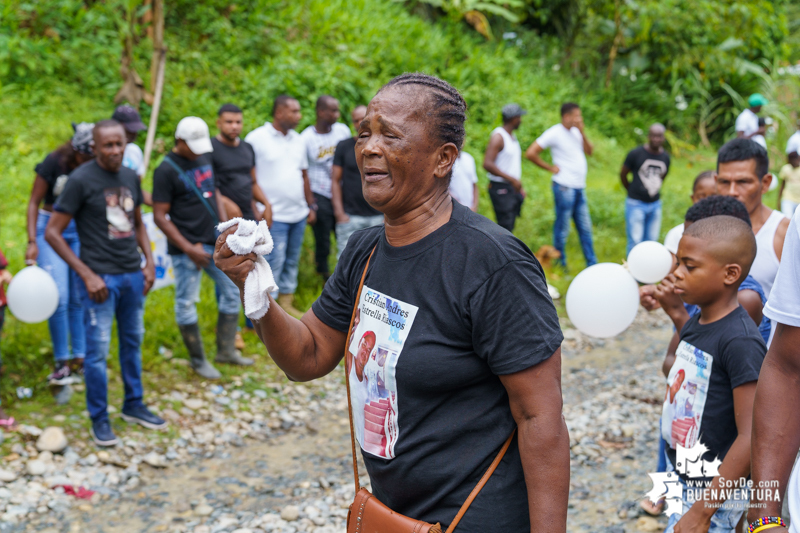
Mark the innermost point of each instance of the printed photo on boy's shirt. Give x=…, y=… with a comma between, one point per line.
x=685, y=400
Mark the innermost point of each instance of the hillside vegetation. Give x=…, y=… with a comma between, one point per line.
x=59, y=62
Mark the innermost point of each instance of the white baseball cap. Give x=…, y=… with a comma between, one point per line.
x=194, y=131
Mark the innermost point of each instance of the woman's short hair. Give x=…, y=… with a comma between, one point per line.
x=446, y=106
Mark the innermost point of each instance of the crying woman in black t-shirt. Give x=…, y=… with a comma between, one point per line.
x=466, y=342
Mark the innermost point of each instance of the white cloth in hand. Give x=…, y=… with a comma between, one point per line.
x=252, y=237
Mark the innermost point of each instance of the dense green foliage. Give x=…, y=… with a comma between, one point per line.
x=59, y=62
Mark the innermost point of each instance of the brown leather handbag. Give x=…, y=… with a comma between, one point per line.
x=367, y=514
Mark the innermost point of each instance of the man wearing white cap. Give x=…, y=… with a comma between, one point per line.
x=184, y=187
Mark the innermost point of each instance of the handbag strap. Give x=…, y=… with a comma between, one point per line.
x=347, y=374
x=486, y=475
x=194, y=188
x=481, y=483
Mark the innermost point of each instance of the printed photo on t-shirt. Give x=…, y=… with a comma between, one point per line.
x=652, y=174
x=687, y=390
x=380, y=330
x=119, y=212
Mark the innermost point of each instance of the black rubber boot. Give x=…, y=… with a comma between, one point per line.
x=226, y=341
x=197, y=356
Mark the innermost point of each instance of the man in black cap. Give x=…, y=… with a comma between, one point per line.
x=133, y=158
x=503, y=162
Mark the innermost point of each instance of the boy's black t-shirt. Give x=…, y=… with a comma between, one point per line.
x=187, y=211
x=352, y=194
x=734, y=349
x=55, y=172
x=103, y=204
x=232, y=172
x=439, y=321
x=648, y=171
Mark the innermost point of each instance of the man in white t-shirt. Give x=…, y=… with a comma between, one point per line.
x=503, y=162
x=776, y=426
x=132, y=158
x=568, y=147
x=281, y=171
x=321, y=140
x=747, y=125
x=464, y=181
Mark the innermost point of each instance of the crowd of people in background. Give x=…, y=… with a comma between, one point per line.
x=85, y=228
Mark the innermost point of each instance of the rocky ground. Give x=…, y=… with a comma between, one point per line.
x=275, y=457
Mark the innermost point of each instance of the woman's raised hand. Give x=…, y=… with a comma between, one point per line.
x=236, y=267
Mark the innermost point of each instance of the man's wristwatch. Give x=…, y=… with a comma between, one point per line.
x=314, y=207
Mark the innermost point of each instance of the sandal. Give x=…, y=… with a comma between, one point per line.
x=7, y=422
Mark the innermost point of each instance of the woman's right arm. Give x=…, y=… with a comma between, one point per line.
x=304, y=349
x=37, y=195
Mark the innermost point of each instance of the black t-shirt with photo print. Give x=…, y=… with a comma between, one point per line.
x=189, y=214
x=648, y=171
x=232, y=171
x=439, y=322
x=103, y=204
x=352, y=195
x=702, y=403
x=54, y=171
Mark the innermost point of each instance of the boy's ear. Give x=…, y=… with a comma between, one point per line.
x=732, y=274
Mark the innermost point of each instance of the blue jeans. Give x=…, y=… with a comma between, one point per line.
x=67, y=322
x=285, y=257
x=126, y=302
x=345, y=229
x=187, y=288
x=662, y=451
x=642, y=221
x=571, y=203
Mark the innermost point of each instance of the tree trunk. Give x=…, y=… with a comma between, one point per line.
x=158, y=40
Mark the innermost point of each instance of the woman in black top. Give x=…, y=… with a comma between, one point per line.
x=463, y=339
x=66, y=324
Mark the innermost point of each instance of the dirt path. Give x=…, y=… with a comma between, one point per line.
x=298, y=480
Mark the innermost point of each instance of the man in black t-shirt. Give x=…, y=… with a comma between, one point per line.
x=184, y=188
x=234, y=163
x=649, y=165
x=708, y=406
x=104, y=198
x=351, y=210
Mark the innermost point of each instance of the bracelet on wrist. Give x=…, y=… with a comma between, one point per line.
x=764, y=528
x=766, y=522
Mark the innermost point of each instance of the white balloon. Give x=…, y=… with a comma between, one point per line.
x=32, y=295
x=602, y=301
x=649, y=262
